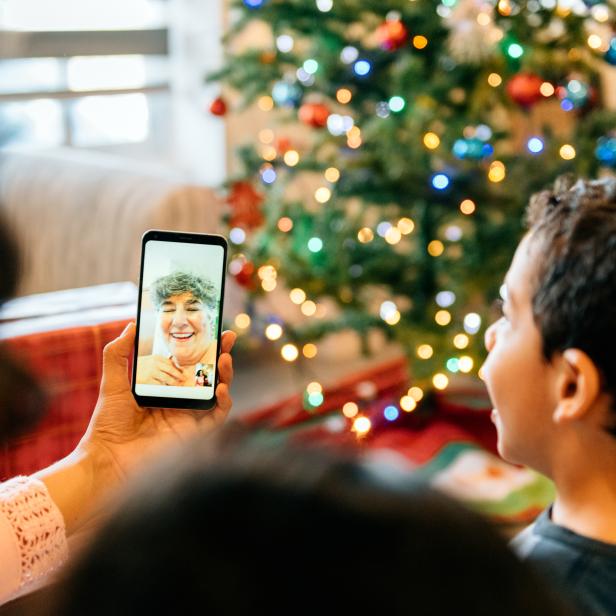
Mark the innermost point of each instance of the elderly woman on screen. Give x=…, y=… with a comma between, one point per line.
x=184, y=303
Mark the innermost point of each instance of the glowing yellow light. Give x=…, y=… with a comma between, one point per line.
x=465, y=363
x=354, y=142
x=440, y=381
x=291, y=158
x=467, y=207
x=265, y=272
x=361, y=426
x=269, y=284
x=393, y=318
x=436, y=248
x=265, y=103
x=567, y=152
x=289, y=352
x=601, y=13
x=308, y=308
x=594, y=41
x=323, y=194
x=344, y=96
x=562, y=10
x=242, y=321
x=273, y=331
x=314, y=388
x=431, y=141
x=420, y=42
x=365, y=235
x=332, y=174
x=297, y=296
x=266, y=135
x=443, y=317
x=350, y=409
x=354, y=131
x=406, y=226
x=497, y=171
x=309, y=350
x=393, y=235
x=494, y=79
x=484, y=19
x=425, y=351
x=460, y=341
x=416, y=393
x=504, y=7
x=408, y=404
x=268, y=153
x=546, y=89
x=285, y=224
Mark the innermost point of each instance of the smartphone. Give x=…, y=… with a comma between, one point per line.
x=179, y=319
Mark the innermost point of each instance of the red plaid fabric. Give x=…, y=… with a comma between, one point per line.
x=69, y=363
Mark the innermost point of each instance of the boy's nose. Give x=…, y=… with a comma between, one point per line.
x=490, y=337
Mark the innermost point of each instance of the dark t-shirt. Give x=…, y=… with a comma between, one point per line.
x=582, y=568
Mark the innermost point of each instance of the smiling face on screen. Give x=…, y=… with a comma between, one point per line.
x=185, y=328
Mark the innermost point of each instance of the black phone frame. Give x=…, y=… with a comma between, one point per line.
x=185, y=238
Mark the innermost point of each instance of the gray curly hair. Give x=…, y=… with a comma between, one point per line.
x=177, y=283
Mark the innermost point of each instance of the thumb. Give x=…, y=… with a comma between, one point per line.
x=117, y=352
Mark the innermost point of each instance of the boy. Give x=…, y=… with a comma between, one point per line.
x=551, y=375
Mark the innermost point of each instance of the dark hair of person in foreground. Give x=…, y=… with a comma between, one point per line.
x=22, y=400
x=242, y=525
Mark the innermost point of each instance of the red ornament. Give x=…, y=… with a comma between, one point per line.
x=525, y=89
x=283, y=144
x=245, y=202
x=218, y=107
x=314, y=114
x=246, y=276
x=392, y=34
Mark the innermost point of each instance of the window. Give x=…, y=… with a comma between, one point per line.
x=83, y=72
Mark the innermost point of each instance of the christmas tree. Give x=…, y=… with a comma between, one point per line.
x=430, y=123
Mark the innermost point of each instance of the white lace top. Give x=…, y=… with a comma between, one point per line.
x=32, y=535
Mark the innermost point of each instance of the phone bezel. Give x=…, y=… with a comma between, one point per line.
x=185, y=238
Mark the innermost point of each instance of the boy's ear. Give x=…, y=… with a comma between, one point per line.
x=578, y=386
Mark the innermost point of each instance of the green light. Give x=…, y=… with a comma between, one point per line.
x=453, y=364
x=515, y=50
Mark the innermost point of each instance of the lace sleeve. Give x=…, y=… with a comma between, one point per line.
x=38, y=534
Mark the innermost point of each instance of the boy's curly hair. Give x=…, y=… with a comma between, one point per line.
x=574, y=302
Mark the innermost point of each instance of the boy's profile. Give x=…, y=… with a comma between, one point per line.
x=551, y=375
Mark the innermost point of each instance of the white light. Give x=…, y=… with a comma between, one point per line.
x=396, y=103
x=453, y=233
x=362, y=67
x=383, y=227
x=349, y=54
x=315, y=244
x=335, y=124
x=445, y=298
x=311, y=66
x=284, y=43
x=237, y=235
x=325, y=5
x=388, y=309
x=472, y=323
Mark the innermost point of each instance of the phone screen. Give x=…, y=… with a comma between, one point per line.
x=179, y=321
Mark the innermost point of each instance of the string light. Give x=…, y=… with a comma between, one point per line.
x=396, y=104
x=349, y=54
x=289, y=352
x=436, y=248
x=440, y=381
x=350, y=409
x=265, y=103
x=311, y=66
x=465, y=363
x=332, y=174
x=309, y=350
x=406, y=226
x=440, y=181
x=484, y=19
x=291, y=158
x=298, y=296
x=567, y=152
x=365, y=235
x=452, y=364
x=408, y=403
x=315, y=244
x=361, y=426
x=266, y=135
x=494, y=79
x=420, y=42
x=391, y=413
x=266, y=272
x=242, y=321
x=467, y=207
x=314, y=388
x=416, y=393
x=308, y=308
x=393, y=318
x=322, y=194
x=424, y=351
x=268, y=153
x=461, y=341
x=472, y=323
x=269, y=284
x=445, y=298
x=362, y=67
x=443, y=317
x=237, y=235
x=285, y=224
x=535, y=145
x=284, y=43
x=497, y=172
x=273, y=331
x=393, y=235
x=431, y=140
x=344, y=96
x=594, y=41
x=515, y=50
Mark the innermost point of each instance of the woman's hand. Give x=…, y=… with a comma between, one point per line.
x=122, y=436
x=158, y=370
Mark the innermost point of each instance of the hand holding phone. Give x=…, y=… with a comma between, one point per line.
x=181, y=290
